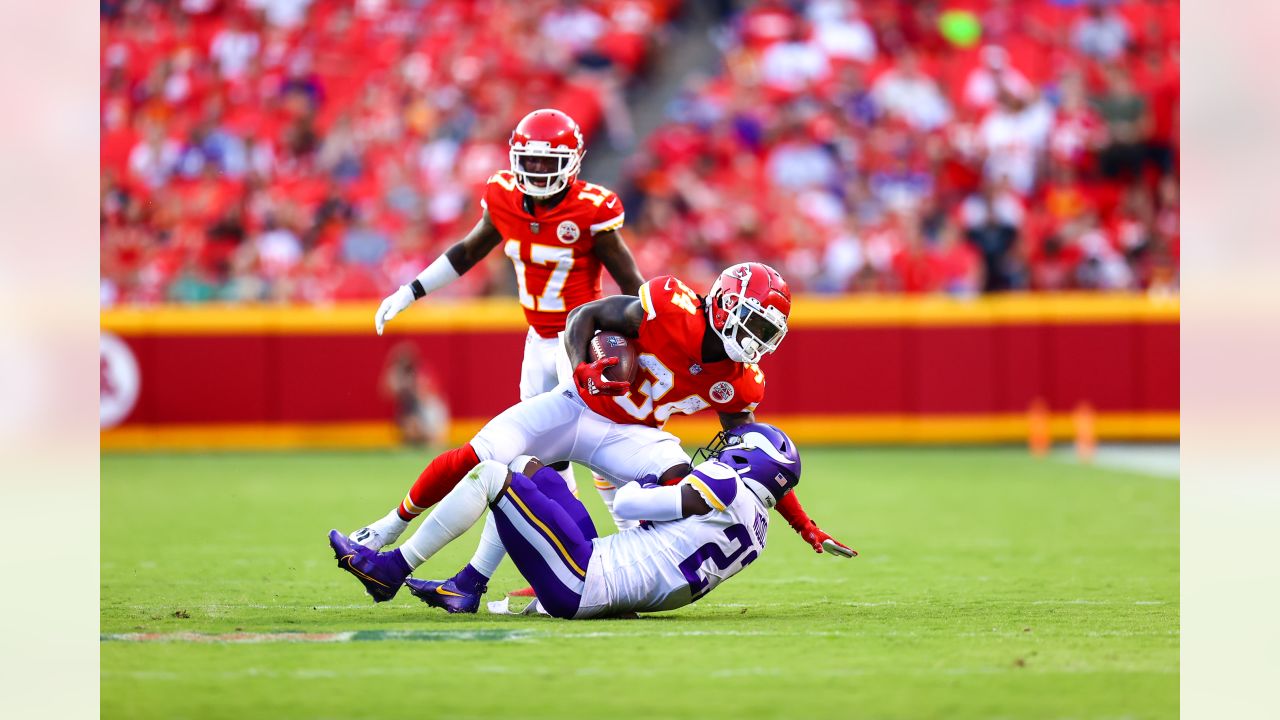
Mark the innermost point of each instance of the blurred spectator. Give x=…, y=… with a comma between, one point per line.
x=992, y=220
x=795, y=64
x=905, y=91
x=421, y=412
x=1102, y=32
x=991, y=77
x=1013, y=136
x=1124, y=113
x=841, y=32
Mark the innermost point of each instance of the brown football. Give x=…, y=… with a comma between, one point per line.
x=611, y=344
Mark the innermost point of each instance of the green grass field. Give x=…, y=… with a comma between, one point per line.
x=991, y=585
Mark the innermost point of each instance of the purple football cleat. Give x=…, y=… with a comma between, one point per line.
x=446, y=594
x=380, y=573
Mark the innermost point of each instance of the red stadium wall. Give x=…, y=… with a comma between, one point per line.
x=852, y=370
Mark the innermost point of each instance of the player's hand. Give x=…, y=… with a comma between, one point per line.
x=391, y=306
x=590, y=377
x=823, y=542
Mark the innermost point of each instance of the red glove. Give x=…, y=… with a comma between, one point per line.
x=820, y=540
x=791, y=509
x=590, y=377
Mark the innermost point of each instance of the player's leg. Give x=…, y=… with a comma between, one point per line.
x=548, y=533
x=631, y=452
x=542, y=424
x=607, y=492
x=606, y=488
x=538, y=374
x=383, y=573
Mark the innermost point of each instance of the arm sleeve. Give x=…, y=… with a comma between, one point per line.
x=635, y=502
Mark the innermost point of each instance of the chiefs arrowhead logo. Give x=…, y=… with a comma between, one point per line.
x=568, y=232
x=722, y=392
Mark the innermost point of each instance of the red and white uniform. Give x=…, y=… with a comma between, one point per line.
x=672, y=377
x=621, y=438
x=551, y=247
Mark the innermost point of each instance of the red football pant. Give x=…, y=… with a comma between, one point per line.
x=437, y=480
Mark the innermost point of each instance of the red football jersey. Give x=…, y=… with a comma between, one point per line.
x=672, y=378
x=552, y=248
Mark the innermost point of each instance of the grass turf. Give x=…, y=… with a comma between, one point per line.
x=990, y=585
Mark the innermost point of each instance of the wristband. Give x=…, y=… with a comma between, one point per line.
x=437, y=275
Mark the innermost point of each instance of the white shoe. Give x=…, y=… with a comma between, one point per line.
x=368, y=537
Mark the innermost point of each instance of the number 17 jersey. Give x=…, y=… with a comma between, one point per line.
x=552, y=248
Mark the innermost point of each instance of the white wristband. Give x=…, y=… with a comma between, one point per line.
x=634, y=502
x=437, y=275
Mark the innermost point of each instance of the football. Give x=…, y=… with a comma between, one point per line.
x=611, y=344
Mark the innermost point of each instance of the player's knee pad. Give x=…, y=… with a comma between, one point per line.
x=489, y=477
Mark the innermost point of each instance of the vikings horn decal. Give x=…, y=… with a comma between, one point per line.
x=759, y=442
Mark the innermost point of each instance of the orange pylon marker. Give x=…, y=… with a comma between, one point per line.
x=1038, y=438
x=1086, y=432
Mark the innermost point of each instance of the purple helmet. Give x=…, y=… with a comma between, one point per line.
x=762, y=454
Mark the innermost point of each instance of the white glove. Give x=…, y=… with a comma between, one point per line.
x=393, y=305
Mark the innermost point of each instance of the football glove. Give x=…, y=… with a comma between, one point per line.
x=392, y=305
x=590, y=377
x=823, y=542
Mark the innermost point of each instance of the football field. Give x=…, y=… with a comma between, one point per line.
x=991, y=584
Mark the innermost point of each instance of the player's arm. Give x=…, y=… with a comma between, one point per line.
x=789, y=506
x=649, y=501
x=459, y=258
x=619, y=313
x=617, y=259
x=792, y=511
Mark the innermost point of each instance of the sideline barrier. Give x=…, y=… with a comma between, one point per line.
x=853, y=369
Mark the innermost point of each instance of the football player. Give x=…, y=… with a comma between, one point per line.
x=694, y=354
x=558, y=232
x=698, y=533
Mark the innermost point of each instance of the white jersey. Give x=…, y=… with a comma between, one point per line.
x=666, y=565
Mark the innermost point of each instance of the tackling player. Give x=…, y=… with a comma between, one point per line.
x=694, y=354
x=698, y=533
x=558, y=232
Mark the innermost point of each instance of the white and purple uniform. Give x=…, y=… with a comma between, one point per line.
x=658, y=566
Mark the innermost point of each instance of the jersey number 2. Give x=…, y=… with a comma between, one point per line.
x=551, y=299
x=692, y=565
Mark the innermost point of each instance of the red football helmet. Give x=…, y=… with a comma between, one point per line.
x=546, y=152
x=749, y=304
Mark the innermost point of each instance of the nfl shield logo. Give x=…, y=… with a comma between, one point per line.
x=535, y=227
x=694, y=369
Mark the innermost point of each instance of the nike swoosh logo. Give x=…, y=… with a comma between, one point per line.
x=611, y=202
x=352, y=568
x=667, y=285
x=441, y=591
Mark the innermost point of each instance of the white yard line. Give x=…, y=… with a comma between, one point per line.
x=1162, y=461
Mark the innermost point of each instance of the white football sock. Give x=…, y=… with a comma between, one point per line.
x=490, y=551
x=607, y=493
x=386, y=530
x=569, y=480
x=456, y=513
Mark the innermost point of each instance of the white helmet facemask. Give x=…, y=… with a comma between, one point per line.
x=567, y=162
x=750, y=330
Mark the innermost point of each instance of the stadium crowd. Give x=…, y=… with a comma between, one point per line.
x=313, y=150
